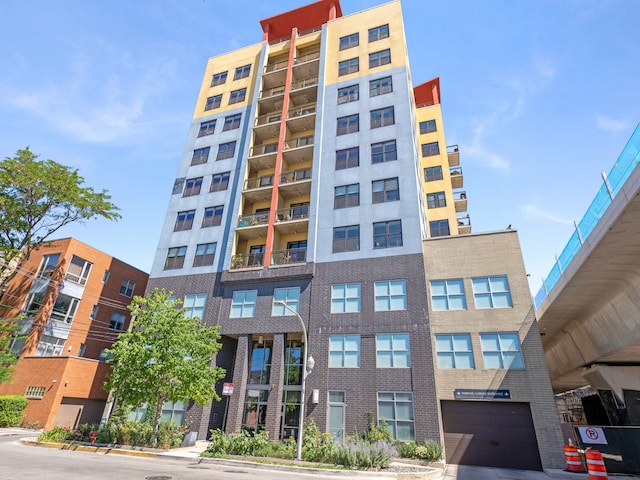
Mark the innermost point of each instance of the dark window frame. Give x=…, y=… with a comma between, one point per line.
x=349, y=94
x=378, y=33
x=377, y=59
x=345, y=196
x=432, y=174
x=192, y=187
x=436, y=200
x=242, y=72
x=184, y=220
x=219, y=78
x=348, y=241
x=387, y=234
x=388, y=192
x=226, y=150
x=212, y=216
x=220, y=181
x=232, y=122
x=388, y=148
x=207, y=258
x=349, y=41
x=380, y=86
x=175, y=261
x=237, y=96
x=348, y=124
x=349, y=66
x=347, y=158
x=200, y=156
x=213, y=102
x=382, y=117
x=207, y=128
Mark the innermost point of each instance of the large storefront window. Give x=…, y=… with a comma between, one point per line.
x=255, y=405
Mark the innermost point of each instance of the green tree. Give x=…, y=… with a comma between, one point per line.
x=37, y=198
x=8, y=330
x=165, y=356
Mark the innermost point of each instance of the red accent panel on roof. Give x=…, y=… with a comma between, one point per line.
x=427, y=93
x=303, y=18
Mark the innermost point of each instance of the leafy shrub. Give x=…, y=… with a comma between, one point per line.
x=361, y=454
x=317, y=447
x=247, y=443
x=375, y=432
x=431, y=450
x=170, y=435
x=11, y=410
x=81, y=434
x=285, y=450
x=56, y=434
x=219, y=444
x=407, y=449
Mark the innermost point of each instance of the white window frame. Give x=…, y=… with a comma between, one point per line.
x=391, y=346
x=452, y=356
x=344, y=351
x=387, y=290
x=345, y=297
x=489, y=288
x=445, y=290
x=396, y=399
x=291, y=298
x=245, y=301
x=194, y=305
x=506, y=348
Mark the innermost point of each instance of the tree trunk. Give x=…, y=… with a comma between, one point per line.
x=156, y=421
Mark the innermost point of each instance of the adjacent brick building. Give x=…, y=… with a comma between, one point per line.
x=74, y=299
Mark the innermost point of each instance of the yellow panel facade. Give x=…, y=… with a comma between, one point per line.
x=228, y=62
x=360, y=23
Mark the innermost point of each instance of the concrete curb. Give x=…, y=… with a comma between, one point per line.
x=78, y=447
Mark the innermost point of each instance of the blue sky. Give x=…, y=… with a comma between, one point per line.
x=541, y=96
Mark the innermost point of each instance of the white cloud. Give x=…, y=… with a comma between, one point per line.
x=611, y=124
x=532, y=212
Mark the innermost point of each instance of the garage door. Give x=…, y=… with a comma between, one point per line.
x=491, y=434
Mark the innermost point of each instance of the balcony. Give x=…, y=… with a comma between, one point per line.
x=301, y=119
x=267, y=126
x=275, y=73
x=246, y=260
x=262, y=156
x=456, y=177
x=298, y=150
x=296, y=183
x=258, y=189
x=460, y=201
x=464, y=224
x=304, y=91
x=293, y=219
x=271, y=99
x=289, y=256
x=453, y=155
x=306, y=65
x=253, y=225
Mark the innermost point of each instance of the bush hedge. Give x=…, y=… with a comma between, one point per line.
x=11, y=410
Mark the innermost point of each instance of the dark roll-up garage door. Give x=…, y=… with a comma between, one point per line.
x=491, y=434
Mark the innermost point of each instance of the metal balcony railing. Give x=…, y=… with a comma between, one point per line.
x=298, y=212
x=305, y=82
x=263, y=149
x=300, y=111
x=253, y=219
x=272, y=92
x=295, y=176
x=268, y=119
x=306, y=58
x=272, y=67
x=460, y=195
x=289, y=256
x=299, y=142
x=259, y=182
x=246, y=260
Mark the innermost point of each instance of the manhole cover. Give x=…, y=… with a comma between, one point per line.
x=159, y=477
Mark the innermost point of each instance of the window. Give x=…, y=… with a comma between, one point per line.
x=117, y=321
x=491, y=292
x=336, y=414
x=387, y=234
x=382, y=117
x=377, y=59
x=212, y=216
x=206, y=128
x=439, y=228
x=396, y=409
x=175, y=258
x=347, y=196
x=192, y=187
x=346, y=239
x=348, y=124
x=501, y=350
x=378, y=33
x=349, y=41
x=35, y=393
x=49, y=346
x=430, y=149
x=448, y=294
x=78, y=271
x=105, y=276
x=231, y=122
x=200, y=156
x=194, y=305
x=184, y=220
x=454, y=351
x=226, y=150
x=345, y=298
x=127, y=287
x=243, y=304
x=344, y=351
x=48, y=265
x=242, y=72
x=390, y=295
x=385, y=190
x=237, y=96
x=94, y=312
x=348, y=66
x=347, y=158
x=213, y=102
x=384, y=152
x=432, y=174
x=348, y=94
x=220, y=181
x=380, y=86
x=205, y=253
x=392, y=350
x=436, y=200
x=428, y=126
x=290, y=297
x=64, y=308
x=218, y=78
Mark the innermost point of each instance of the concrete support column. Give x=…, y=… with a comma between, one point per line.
x=240, y=376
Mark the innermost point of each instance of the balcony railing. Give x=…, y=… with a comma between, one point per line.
x=246, y=260
x=300, y=111
x=459, y=195
x=289, y=256
x=260, y=182
x=453, y=155
x=464, y=221
x=263, y=149
x=272, y=67
x=306, y=82
x=299, y=142
x=298, y=212
x=268, y=119
x=295, y=176
x=253, y=219
x=272, y=92
x=306, y=58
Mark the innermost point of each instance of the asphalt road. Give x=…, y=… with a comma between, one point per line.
x=18, y=462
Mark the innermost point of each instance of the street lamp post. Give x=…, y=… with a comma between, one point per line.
x=310, y=362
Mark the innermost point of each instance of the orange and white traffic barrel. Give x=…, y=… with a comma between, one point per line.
x=572, y=458
x=595, y=465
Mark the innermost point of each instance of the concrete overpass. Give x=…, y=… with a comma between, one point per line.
x=589, y=307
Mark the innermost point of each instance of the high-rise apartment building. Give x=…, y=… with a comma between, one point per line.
x=313, y=176
x=74, y=300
